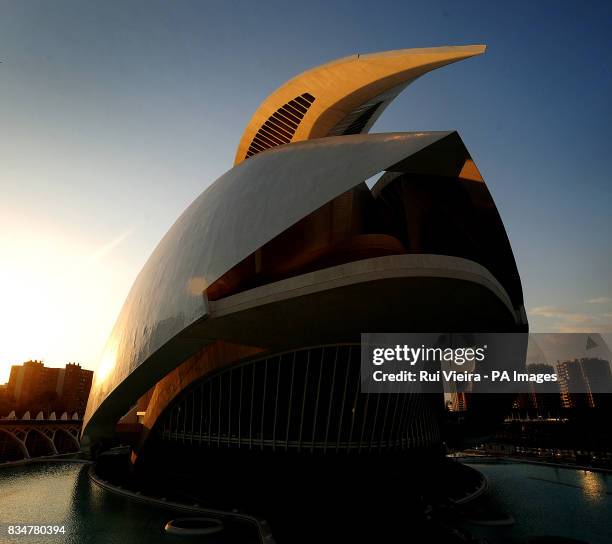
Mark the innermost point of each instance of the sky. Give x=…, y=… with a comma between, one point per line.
x=115, y=115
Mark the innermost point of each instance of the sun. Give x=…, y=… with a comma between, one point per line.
x=58, y=303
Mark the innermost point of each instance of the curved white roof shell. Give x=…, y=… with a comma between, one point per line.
x=241, y=211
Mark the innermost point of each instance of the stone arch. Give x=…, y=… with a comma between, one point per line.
x=12, y=438
x=39, y=443
x=65, y=441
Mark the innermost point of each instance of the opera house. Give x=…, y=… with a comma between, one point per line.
x=238, y=343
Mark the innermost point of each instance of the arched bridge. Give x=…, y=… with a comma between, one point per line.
x=28, y=438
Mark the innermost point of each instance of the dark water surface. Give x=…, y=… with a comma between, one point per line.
x=543, y=500
x=62, y=494
x=546, y=500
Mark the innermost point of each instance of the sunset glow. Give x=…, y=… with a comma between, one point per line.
x=60, y=294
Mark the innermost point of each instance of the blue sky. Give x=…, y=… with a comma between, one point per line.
x=116, y=115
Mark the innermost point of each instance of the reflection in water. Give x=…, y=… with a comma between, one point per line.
x=543, y=500
x=55, y=493
x=61, y=494
x=548, y=500
x=28, y=491
x=594, y=486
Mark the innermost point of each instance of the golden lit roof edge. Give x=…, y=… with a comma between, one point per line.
x=343, y=88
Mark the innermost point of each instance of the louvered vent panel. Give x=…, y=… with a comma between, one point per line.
x=280, y=127
x=355, y=121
